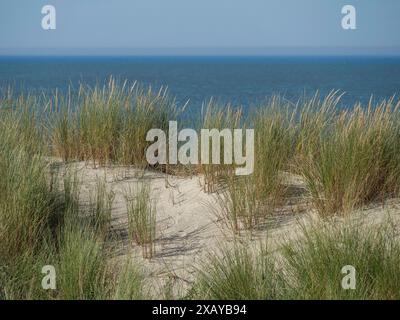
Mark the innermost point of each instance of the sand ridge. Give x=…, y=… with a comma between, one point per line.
x=188, y=228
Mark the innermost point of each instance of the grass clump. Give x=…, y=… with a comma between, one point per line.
x=28, y=202
x=244, y=202
x=141, y=218
x=353, y=159
x=109, y=124
x=219, y=118
x=275, y=137
x=81, y=265
x=129, y=284
x=239, y=274
x=101, y=206
x=237, y=204
x=310, y=266
x=41, y=222
x=314, y=262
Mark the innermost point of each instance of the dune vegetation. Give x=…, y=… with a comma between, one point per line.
x=348, y=158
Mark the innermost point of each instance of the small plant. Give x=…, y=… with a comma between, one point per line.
x=101, y=207
x=141, y=218
x=238, y=205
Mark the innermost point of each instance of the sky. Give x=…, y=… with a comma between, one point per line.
x=137, y=27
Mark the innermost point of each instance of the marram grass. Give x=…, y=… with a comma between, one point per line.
x=308, y=267
x=348, y=159
x=109, y=124
x=141, y=217
x=353, y=159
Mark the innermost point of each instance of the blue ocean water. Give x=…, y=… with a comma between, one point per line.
x=243, y=81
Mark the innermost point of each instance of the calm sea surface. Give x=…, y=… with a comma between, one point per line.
x=242, y=81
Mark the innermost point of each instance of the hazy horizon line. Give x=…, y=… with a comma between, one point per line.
x=204, y=51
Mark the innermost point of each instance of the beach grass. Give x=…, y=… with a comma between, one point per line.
x=319, y=260
x=106, y=125
x=219, y=117
x=142, y=220
x=41, y=223
x=315, y=266
x=101, y=201
x=348, y=158
x=238, y=273
x=245, y=202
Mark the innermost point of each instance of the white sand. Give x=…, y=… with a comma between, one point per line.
x=187, y=226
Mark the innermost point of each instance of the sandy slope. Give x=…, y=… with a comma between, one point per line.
x=187, y=226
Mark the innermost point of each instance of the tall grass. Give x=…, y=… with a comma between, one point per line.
x=84, y=260
x=275, y=138
x=237, y=204
x=141, y=217
x=101, y=206
x=81, y=265
x=41, y=222
x=348, y=158
x=310, y=267
x=245, y=202
x=129, y=283
x=109, y=124
x=314, y=262
x=27, y=198
x=218, y=117
x=238, y=273
x=353, y=159
x=29, y=202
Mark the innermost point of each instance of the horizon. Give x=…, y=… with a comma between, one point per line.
x=179, y=53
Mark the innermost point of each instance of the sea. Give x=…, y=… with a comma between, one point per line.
x=241, y=81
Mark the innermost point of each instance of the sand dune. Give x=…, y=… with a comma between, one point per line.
x=187, y=225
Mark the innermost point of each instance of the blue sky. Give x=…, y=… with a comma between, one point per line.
x=198, y=26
